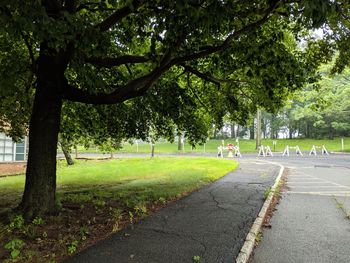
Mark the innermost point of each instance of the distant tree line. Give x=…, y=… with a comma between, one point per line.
x=321, y=111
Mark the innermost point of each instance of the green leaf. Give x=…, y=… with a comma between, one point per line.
x=15, y=253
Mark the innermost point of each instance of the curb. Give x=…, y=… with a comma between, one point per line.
x=340, y=153
x=248, y=246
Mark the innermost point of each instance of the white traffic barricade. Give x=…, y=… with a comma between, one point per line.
x=297, y=150
x=220, y=152
x=261, y=151
x=232, y=151
x=268, y=151
x=237, y=152
x=265, y=151
x=314, y=150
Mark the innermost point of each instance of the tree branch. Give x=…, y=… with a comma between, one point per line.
x=118, y=95
x=213, y=49
x=210, y=78
x=87, y=6
x=118, y=15
x=113, y=62
x=30, y=51
x=141, y=85
x=195, y=93
x=135, y=88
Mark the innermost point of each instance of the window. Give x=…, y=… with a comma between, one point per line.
x=20, y=151
x=6, y=148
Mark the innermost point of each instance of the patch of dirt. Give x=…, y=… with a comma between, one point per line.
x=12, y=168
x=77, y=227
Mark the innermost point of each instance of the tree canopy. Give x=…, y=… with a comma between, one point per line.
x=119, y=69
x=110, y=61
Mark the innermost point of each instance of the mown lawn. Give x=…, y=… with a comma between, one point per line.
x=100, y=197
x=156, y=177
x=246, y=146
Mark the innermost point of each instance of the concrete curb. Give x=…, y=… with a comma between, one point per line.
x=248, y=246
x=340, y=153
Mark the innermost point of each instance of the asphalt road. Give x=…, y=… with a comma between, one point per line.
x=310, y=223
x=211, y=223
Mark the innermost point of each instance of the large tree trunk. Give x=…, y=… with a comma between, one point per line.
x=40, y=185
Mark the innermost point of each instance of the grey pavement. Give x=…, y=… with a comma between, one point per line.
x=310, y=223
x=211, y=223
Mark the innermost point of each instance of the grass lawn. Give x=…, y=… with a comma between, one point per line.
x=99, y=198
x=246, y=146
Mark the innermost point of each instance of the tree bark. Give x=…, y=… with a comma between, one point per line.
x=233, y=134
x=179, y=142
x=264, y=127
x=308, y=132
x=252, y=131
x=291, y=131
x=330, y=132
x=215, y=133
x=238, y=130
x=258, y=129
x=152, y=150
x=67, y=155
x=40, y=185
x=272, y=123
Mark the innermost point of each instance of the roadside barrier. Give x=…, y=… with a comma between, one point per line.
x=220, y=152
x=237, y=152
x=232, y=151
x=314, y=151
x=265, y=151
x=297, y=150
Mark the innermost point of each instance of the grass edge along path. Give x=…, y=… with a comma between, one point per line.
x=246, y=146
x=98, y=198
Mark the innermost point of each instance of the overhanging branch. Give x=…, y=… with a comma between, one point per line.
x=118, y=15
x=210, y=78
x=135, y=88
x=141, y=85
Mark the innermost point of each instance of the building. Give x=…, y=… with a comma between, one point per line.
x=11, y=151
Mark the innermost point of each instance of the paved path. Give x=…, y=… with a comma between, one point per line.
x=211, y=223
x=309, y=225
